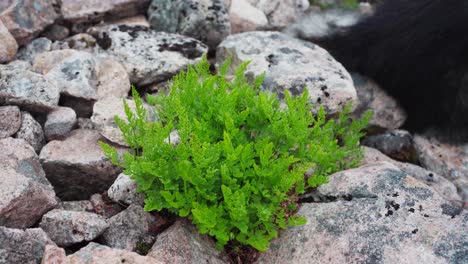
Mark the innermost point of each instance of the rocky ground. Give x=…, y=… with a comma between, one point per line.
x=65, y=67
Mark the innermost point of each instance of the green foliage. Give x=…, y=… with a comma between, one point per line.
x=346, y=4
x=242, y=157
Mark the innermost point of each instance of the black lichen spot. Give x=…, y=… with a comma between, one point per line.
x=319, y=100
x=348, y=197
x=392, y=204
x=327, y=94
x=411, y=210
x=451, y=210
x=395, y=194
x=187, y=49
x=132, y=30
x=420, y=208
x=426, y=215
x=104, y=41
x=389, y=212
x=415, y=231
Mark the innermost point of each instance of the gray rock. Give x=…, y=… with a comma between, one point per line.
x=66, y=228
x=397, y=144
x=29, y=90
x=31, y=131
x=10, y=120
x=148, y=56
x=25, y=19
x=182, y=243
x=22, y=246
x=47, y=60
x=124, y=190
x=374, y=214
x=77, y=206
x=31, y=50
x=95, y=253
x=207, y=20
x=56, y=32
x=291, y=64
x=77, y=167
x=281, y=13
x=59, y=123
x=130, y=229
x=245, y=17
x=8, y=45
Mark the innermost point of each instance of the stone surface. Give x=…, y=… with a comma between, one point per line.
x=10, y=120
x=182, y=243
x=29, y=90
x=47, y=60
x=31, y=50
x=374, y=214
x=281, y=13
x=148, y=56
x=104, y=112
x=77, y=167
x=397, y=144
x=244, y=17
x=139, y=20
x=77, y=206
x=57, y=32
x=112, y=79
x=206, y=20
x=291, y=64
x=66, y=228
x=124, y=190
x=31, y=131
x=54, y=255
x=8, y=45
x=81, y=41
x=95, y=253
x=104, y=206
x=59, y=123
x=26, y=19
x=22, y=246
x=130, y=229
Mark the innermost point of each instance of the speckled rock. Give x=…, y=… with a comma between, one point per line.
x=77, y=167
x=66, y=228
x=148, y=56
x=54, y=255
x=130, y=229
x=31, y=50
x=29, y=90
x=293, y=65
x=182, y=243
x=26, y=19
x=10, y=120
x=95, y=253
x=8, y=45
x=244, y=17
x=77, y=206
x=281, y=13
x=397, y=144
x=47, y=60
x=59, y=123
x=206, y=20
x=22, y=246
x=124, y=190
x=81, y=41
x=31, y=131
x=104, y=112
x=374, y=214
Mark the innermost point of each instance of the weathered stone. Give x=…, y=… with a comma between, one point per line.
x=8, y=45
x=130, y=229
x=31, y=131
x=293, y=65
x=281, y=13
x=95, y=253
x=148, y=56
x=10, y=120
x=31, y=50
x=77, y=167
x=105, y=206
x=59, y=123
x=82, y=41
x=56, y=32
x=77, y=206
x=46, y=61
x=66, y=228
x=124, y=190
x=26, y=19
x=244, y=17
x=27, y=89
x=139, y=20
x=207, y=20
x=112, y=79
x=103, y=117
x=54, y=255
x=397, y=144
x=374, y=214
x=22, y=246
x=182, y=243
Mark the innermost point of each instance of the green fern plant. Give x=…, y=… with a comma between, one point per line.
x=242, y=157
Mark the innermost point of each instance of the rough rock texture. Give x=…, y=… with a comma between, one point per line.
x=77, y=167
x=112, y=79
x=245, y=17
x=66, y=228
x=26, y=19
x=182, y=243
x=59, y=123
x=205, y=20
x=397, y=144
x=22, y=246
x=27, y=89
x=147, y=55
x=56, y=32
x=139, y=20
x=95, y=253
x=8, y=45
x=54, y=255
x=281, y=13
x=130, y=229
x=34, y=48
x=291, y=64
x=387, y=114
x=78, y=206
x=374, y=214
x=124, y=190
x=10, y=120
x=447, y=160
x=31, y=131
x=104, y=112
x=104, y=206
x=82, y=41
x=47, y=60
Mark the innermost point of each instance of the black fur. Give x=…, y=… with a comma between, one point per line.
x=417, y=50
